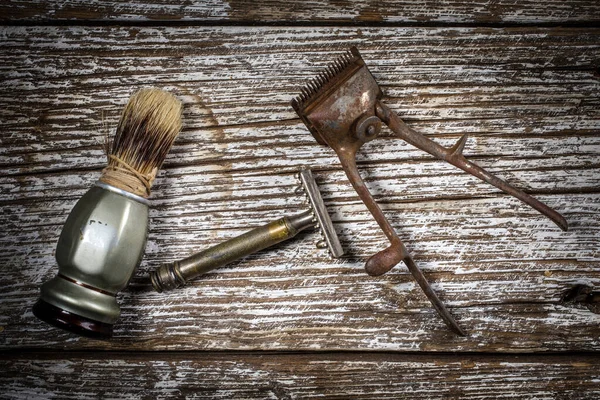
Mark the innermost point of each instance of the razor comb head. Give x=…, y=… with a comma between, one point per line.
x=318, y=207
x=331, y=102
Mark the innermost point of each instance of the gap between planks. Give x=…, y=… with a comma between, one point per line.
x=225, y=354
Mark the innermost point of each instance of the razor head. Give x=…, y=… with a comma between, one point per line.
x=316, y=201
x=331, y=103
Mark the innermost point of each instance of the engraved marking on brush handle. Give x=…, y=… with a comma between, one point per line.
x=176, y=274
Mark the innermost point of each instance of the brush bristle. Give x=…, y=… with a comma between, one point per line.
x=334, y=69
x=149, y=124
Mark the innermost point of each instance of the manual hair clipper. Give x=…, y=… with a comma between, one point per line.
x=176, y=274
x=342, y=108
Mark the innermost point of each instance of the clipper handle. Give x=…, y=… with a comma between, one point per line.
x=176, y=274
x=454, y=156
x=385, y=260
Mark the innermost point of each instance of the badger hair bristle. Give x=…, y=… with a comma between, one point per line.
x=149, y=124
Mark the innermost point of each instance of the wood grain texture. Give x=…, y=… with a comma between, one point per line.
x=312, y=11
x=299, y=376
x=535, y=84
x=527, y=96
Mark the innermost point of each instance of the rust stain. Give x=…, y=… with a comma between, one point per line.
x=201, y=106
x=370, y=14
x=581, y=364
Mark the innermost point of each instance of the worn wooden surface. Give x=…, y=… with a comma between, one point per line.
x=300, y=376
x=527, y=95
x=319, y=11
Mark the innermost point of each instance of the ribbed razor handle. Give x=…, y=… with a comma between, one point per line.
x=176, y=274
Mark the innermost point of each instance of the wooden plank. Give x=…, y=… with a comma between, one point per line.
x=531, y=84
x=314, y=11
x=298, y=376
x=502, y=275
x=528, y=97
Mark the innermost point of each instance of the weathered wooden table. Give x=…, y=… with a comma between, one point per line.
x=521, y=79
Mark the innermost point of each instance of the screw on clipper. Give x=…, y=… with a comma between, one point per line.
x=176, y=274
x=342, y=108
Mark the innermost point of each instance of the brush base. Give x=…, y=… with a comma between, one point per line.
x=81, y=299
x=72, y=322
x=101, y=244
x=77, y=307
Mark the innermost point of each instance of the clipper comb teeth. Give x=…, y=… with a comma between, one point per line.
x=331, y=72
x=326, y=82
x=342, y=108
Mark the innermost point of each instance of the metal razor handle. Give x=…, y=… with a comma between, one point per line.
x=176, y=274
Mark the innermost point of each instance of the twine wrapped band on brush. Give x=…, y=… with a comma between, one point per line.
x=147, y=129
x=123, y=176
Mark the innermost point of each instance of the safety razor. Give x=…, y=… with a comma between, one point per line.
x=176, y=274
x=342, y=108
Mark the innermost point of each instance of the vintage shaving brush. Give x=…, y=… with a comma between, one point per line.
x=104, y=237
